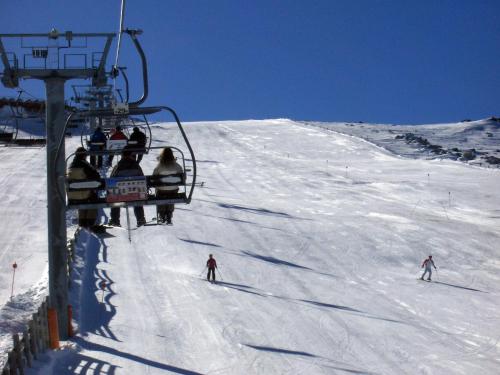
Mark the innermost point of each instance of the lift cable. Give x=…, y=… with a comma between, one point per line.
x=120, y=32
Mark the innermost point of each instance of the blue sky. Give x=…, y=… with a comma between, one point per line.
x=338, y=60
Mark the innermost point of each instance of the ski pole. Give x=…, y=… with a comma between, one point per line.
x=128, y=226
x=219, y=274
x=201, y=273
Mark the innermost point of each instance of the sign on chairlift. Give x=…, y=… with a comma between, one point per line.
x=116, y=144
x=40, y=53
x=120, y=108
x=126, y=189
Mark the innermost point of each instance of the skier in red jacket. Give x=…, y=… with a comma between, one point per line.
x=118, y=134
x=211, y=265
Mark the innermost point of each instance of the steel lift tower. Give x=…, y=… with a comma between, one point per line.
x=45, y=57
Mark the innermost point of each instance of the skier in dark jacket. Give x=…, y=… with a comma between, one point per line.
x=428, y=264
x=80, y=169
x=97, y=143
x=211, y=265
x=138, y=142
x=127, y=166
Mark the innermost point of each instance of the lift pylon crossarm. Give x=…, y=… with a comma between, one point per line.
x=13, y=72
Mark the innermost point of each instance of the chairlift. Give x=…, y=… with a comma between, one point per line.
x=108, y=123
x=13, y=127
x=130, y=191
x=133, y=191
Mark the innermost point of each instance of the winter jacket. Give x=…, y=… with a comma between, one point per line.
x=97, y=137
x=138, y=139
x=172, y=168
x=118, y=135
x=80, y=169
x=428, y=263
x=211, y=263
x=127, y=167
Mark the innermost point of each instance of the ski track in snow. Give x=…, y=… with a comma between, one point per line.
x=320, y=262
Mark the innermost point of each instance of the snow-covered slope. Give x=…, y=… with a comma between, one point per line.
x=319, y=237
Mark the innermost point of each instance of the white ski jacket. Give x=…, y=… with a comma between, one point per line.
x=428, y=263
x=167, y=170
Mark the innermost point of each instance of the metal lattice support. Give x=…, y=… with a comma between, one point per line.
x=55, y=71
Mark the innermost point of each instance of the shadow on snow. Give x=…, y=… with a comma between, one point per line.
x=199, y=242
x=306, y=354
x=275, y=260
x=92, y=278
x=459, y=287
x=78, y=359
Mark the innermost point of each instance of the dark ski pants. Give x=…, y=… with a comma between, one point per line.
x=138, y=212
x=211, y=271
x=96, y=161
x=429, y=271
x=87, y=218
x=165, y=212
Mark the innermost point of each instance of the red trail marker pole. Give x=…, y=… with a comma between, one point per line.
x=14, y=266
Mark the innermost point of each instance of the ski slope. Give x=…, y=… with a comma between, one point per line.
x=319, y=237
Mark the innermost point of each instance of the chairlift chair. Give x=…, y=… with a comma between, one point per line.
x=140, y=191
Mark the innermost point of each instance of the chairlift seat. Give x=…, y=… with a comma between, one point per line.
x=101, y=202
x=6, y=137
x=117, y=199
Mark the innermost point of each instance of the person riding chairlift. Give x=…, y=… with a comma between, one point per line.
x=167, y=166
x=117, y=135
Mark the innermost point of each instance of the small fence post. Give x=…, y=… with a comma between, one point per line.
x=12, y=363
x=27, y=348
x=33, y=337
x=17, y=354
x=42, y=330
x=45, y=325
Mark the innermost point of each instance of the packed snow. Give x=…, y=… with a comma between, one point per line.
x=319, y=237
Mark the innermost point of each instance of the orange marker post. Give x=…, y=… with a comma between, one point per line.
x=53, y=328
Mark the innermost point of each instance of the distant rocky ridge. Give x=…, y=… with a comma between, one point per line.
x=474, y=142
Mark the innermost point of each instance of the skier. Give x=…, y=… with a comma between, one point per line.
x=211, y=265
x=428, y=264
